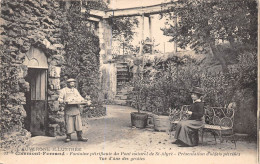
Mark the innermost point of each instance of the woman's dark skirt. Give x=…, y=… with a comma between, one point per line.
x=187, y=132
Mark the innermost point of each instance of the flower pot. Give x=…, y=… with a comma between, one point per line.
x=161, y=123
x=139, y=120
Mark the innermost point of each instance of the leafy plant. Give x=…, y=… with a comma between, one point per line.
x=203, y=25
x=82, y=52
x=123, y=30
x=167, y=83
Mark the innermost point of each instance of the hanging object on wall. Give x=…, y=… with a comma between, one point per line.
x=54, y=71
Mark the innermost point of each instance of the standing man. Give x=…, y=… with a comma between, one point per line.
x=72, y=113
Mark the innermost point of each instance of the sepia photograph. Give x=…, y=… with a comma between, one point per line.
x=119, y=81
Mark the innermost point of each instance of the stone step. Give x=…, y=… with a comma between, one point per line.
x=121, y=97
x=130, y=88
x=122, y=63
x=120, y=102
x=125, y=74
x=123, y=71
x=121, y=66
x=122, y=78
x=122, y=92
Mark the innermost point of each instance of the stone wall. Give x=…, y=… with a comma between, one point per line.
x=26, y=24
x=109, y=81
x=35, y=23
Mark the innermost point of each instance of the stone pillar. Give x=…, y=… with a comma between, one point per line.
x=175, y=26
x=101, y=41
x=109, y=81
x=107, y=68
x=55, y=113
x=56, y=117
x=142, y=35
x=105, y=36
x=151, y=33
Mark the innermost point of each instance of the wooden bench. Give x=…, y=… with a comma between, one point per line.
x=217, y=120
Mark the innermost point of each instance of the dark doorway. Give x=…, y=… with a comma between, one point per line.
x=36, y=102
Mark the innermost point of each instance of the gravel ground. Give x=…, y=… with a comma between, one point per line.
x=113, y=140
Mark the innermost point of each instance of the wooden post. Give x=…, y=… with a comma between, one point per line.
x=123, y=48
x=142, y=35
x=151, y=34
x=163, y=48
x=175, y=26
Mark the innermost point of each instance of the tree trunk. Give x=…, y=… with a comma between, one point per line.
x=231, y=41
x=219, y=57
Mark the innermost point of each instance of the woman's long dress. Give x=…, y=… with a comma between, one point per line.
x=187, y=130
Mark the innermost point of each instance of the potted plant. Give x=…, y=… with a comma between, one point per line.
x=165, y=93
x=161, y=105
x=138, y=119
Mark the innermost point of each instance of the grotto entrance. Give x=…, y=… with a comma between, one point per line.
x=36, y=98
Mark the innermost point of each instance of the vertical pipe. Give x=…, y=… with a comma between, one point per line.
x=163, y=48
x=175, y=26
x=123, y=48
x=151, y=33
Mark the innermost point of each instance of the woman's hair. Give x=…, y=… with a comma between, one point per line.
x=200, y=96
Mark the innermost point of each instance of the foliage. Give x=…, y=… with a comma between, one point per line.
x=247, y=71
x=10, y=104
x=138, y=93
x=94, y=4
x=23, y=24
x=167, y=83
x=203, y=25
x=123, y=28
x=160, y=88
x=147, y=48
x=12, y=142
x=82, y=53
x=123, y=31
x=93, y=112
x=221, y=88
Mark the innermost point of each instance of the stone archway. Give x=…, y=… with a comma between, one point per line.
x=43, y=68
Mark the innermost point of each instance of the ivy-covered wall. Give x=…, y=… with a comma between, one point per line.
x=82, y=57
x=58, y=29
x=26, y=24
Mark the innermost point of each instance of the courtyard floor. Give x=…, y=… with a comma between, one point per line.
x=113, y=140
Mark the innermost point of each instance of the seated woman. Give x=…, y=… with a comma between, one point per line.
x=187, y=130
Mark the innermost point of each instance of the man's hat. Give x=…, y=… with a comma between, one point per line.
x=71, y=80
x=198, y=90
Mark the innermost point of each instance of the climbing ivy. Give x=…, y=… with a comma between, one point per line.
x=23, y=24
x=82, y=52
